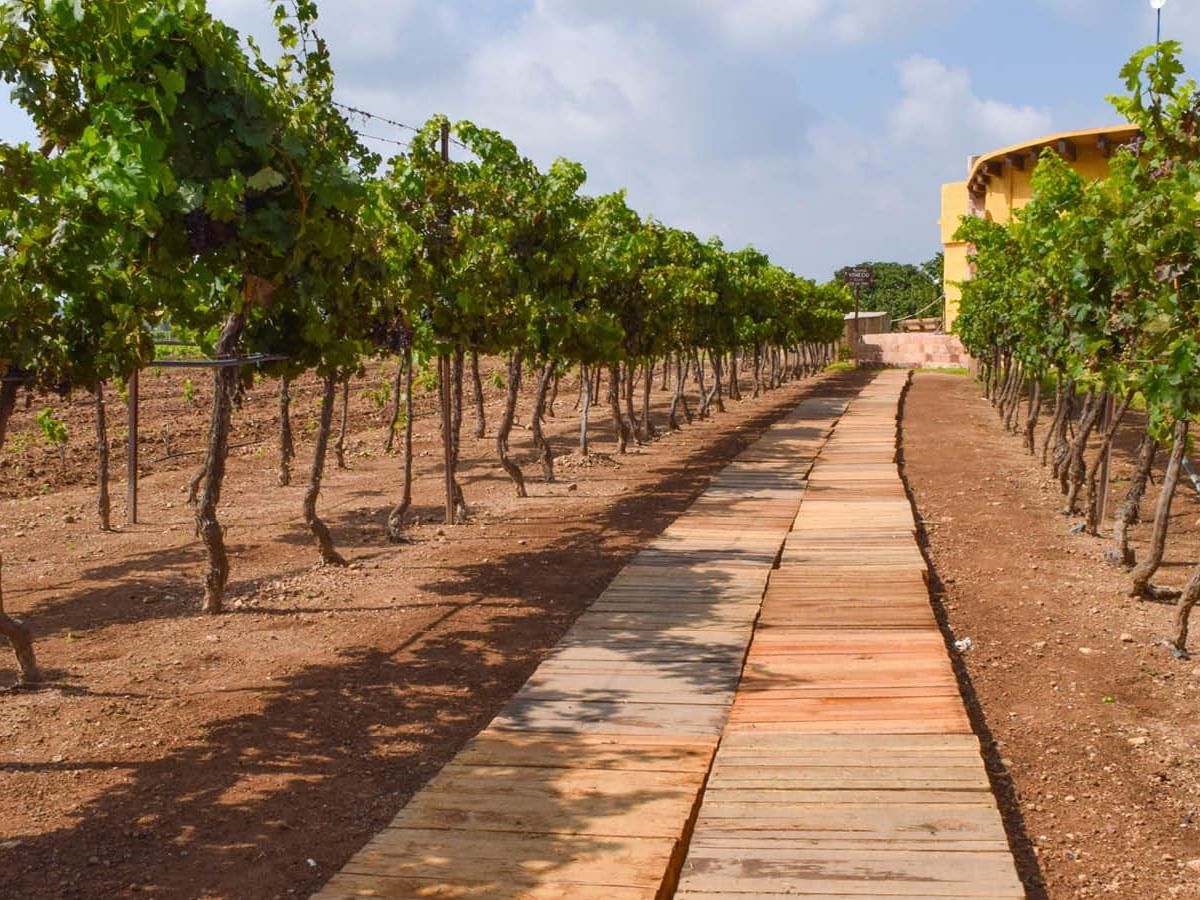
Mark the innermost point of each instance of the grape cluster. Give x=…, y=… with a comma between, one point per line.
x=204, y=233
x=394, y=334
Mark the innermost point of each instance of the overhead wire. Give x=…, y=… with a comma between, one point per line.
x=374, y=137
x=354, y=110
x=395, y=123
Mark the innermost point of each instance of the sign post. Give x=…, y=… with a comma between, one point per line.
x=858, y=277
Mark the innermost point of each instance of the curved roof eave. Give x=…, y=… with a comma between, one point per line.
x=1116, y=134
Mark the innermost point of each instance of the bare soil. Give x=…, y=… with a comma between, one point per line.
x=249, y=755
x=1089, y=723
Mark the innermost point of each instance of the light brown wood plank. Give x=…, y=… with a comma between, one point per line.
x=353, y=886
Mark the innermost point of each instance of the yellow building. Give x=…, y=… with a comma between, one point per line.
x=999, y=182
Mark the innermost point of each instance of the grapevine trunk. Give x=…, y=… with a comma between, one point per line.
x=504, y=429
x=213, y=471
x=316, y=525
x=1140, y=579
x=1129, y=512
x=398, y=517
x=287, y=446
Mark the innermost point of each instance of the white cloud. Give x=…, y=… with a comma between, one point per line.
x=776, y=22
x=762, y=24
x=360, y=27
x=940, y=109
x=706, y=130
x=550, y=81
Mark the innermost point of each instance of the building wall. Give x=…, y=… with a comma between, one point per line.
x=957, y=270
x=954, y=207
x=1009, y=189
x=915, y=350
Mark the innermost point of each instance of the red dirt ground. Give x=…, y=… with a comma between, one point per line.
x=1090, y=724
x=248, y=755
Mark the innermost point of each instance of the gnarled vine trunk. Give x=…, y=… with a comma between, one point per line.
x=1140, y=578
x=673, y=410
x=477, y=396
x=1063, y=452
x=394, y=416
x=398, y=517
x=1077, y=470
x=1014, y=401
x=1055, y=431
x=19, y=636
x=315, y=523
x=287, y=446
x=702, y=406
x=504, y=429
x=718, y=371
x=1092, y=503
x=585, y=402
x=540, y=442
x=1129, y=512
x=13, y=629
x=213, y=471
x=8, y=402
x=620, y=427
x=1187, y=602
x=453, y=367
x=340, y=447
x=627, y=385
x=649, y=432
x=446, y=421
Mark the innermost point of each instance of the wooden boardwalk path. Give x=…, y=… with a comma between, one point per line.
x=848, y=767
x=812, y=743
x=587, y=784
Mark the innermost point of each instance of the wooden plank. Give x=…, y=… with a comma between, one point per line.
x=717, y=796
x=381, y=885
x=747, y=775
x=935, y=823
x=608, y=717
x=618, y=684
x=648, y=753
x=800, y=871
x=581, y=801
x=457, y=857
x=888, y=745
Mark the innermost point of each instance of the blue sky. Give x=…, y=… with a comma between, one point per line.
x=818, y=131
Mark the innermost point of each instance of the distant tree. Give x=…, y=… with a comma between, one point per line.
x=902, y=290
x=933, y=269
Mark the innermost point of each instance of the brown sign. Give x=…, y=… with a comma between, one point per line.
x=860, y=276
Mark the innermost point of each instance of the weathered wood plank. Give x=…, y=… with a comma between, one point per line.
x=648, y=753
x=801, y=871
x=380, y=885
x=515, y=859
